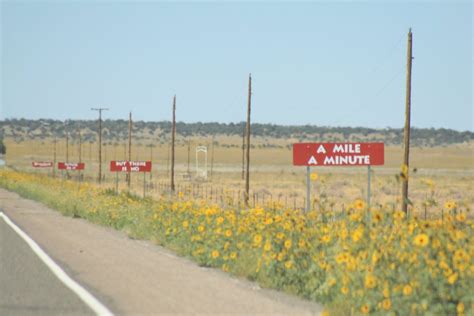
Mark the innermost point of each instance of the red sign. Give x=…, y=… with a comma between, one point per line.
x=71, y=166
x=42, y=164
x=130, y=166
x=338, y=154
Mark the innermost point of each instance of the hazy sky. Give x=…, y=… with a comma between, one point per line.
x=322, y=63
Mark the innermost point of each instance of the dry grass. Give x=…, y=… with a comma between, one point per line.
x=451, y=169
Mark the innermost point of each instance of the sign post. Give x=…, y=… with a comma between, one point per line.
x=368, y=186
x=116, y=183
x=308, y=189
x=337, y=154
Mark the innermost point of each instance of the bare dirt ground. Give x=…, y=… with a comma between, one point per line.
x=135, y=277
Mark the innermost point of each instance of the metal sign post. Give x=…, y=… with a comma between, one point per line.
x=144, y=184
x=368, y=186
x=308, y=188
x=116, y=182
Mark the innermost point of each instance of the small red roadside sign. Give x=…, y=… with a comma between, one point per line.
x=42, y=164
x=71, y=166
x=130, y=166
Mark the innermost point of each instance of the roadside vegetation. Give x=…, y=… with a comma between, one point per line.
x=352, y=260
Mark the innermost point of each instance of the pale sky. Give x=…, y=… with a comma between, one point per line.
x=320, y=63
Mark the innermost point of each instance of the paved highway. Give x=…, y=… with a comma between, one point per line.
x=129, y=277
x=27, y=285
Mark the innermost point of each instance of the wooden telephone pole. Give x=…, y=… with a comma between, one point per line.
x=212, y=156
x=80, y=151
x=100, y=139
x=80, y=144
x=247, y=175
x=173, y=132
x=54, y=156
x=189, y=158
x=243, y=152
x=67, y=146
x=129, y=147
x=406, y=138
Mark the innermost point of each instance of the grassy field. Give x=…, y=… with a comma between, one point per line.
x=442, y=173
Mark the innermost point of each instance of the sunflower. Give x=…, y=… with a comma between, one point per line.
x=365, y=309
x=421, y=240
x=450, y=205
x=404, y=172
x=370, y=281
x=386, y=304
x=407, y=290
x=359, y=204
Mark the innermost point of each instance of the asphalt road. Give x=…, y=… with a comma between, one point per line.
x=129, y=277
x=27, y=286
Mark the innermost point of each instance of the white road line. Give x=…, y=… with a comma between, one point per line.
x=83, y=294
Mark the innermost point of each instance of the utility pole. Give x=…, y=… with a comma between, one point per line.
x=129, y=147
x=100, y=139
x=212, y=156
x=54, y=156
x=189, y=158
x=406, y=138
x=80, y=151
x=168, y=159
x=67, y=146
x=243, y=152
x=247, y=178
x=173, y=132
x=80, y=144
x=66, y=131
x=151, y=158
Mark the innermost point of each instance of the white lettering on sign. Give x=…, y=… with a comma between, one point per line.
x=137, y=163
x=346, y=160
x=321, y=149
x=312, y=161
x=347, y=148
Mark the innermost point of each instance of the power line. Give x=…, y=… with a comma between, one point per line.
x=389, y=54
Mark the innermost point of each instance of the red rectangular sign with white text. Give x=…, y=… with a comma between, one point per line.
x=130, y=166
x=338, y=154
x=42, y=164
x=71, y=166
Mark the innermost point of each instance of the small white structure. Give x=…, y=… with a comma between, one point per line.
x=201, y=168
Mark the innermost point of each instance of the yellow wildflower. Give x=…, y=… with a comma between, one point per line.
x=407, y=290
x=386, y=304
x=370, y=281
x=421, y=240
x=365, y=309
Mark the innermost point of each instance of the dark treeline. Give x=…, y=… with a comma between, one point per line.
x=116, y=130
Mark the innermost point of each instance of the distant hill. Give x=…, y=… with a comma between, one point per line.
x=117, y=131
